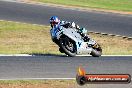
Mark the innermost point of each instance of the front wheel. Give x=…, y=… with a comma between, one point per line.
x=96, y=51
x=68, y=46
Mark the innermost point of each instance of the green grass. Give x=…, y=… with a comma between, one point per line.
x=123, y=5
x=19, y=38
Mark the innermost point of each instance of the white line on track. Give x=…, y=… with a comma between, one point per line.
x=77, y=55
x=40, y=79
x=106, y=55
x=15, y=55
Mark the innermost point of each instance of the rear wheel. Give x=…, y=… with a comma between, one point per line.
x=96, y=51
x=68, y=46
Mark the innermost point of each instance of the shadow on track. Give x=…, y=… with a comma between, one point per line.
x=54, y=55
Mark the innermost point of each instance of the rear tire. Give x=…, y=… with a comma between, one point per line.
x=96, y=52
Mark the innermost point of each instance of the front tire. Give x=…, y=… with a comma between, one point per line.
x=61, y=50
x=68, y=46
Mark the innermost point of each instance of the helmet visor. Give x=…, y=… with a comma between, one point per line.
x=53, y=23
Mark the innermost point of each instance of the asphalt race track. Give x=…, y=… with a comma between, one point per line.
x=47, y=66
x=93, y=21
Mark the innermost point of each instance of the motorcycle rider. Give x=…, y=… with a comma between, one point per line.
x=57, y=24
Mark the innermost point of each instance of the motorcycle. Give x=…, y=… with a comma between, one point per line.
x=72, y=44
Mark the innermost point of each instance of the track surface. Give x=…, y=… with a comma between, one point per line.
x=64, y=67
x=93, y=21
x=61, y=66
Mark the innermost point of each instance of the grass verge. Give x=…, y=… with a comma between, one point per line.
x=121, y=5
x=38, y=84
x=19, y=38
